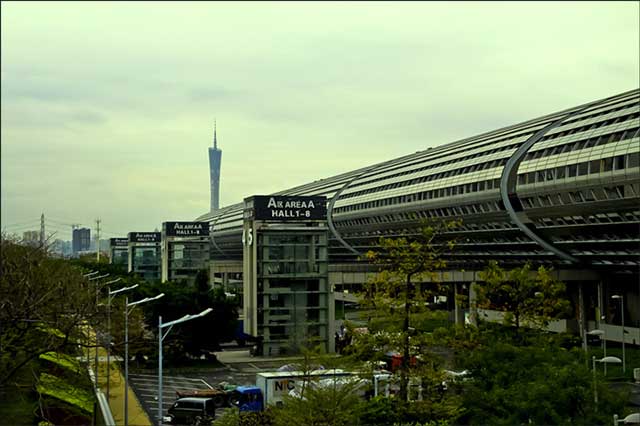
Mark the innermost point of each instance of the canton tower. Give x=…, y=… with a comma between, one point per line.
x=215, y=158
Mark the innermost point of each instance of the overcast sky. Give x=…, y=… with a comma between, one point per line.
x=108, y=108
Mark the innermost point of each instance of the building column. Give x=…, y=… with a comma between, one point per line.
x=459, y=311
x=473, y=307
x=600, y=309
x=582, y=316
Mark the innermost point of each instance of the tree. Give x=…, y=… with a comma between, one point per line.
x=534, y=298
x=408, y=275
x=45, y=306
x=541, y=384
x=201, y=335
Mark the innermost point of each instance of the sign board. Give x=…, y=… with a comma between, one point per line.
x=289, y=207
x=144, y=237
x=118, y=242
x=186, y=229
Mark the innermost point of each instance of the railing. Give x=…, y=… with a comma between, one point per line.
x=102, y=415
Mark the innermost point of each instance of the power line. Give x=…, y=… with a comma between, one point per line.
x=19, y=224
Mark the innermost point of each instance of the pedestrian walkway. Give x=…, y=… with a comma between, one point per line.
x=137, y=415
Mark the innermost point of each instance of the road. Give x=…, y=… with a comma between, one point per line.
x=240, y=370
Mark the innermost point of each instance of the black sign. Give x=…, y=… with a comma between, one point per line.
x=186, y=229
x=118, y=242
x=289, y=208
x=144, y=237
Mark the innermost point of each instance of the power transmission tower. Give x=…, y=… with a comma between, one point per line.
x=98, y=240
x=42, y=231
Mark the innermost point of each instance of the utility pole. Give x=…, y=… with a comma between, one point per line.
x=42, y=231
x=98, y=240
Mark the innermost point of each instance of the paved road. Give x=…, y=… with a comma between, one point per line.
x=241, y=372
x=146, y=388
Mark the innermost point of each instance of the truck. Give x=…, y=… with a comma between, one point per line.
x=272, y=387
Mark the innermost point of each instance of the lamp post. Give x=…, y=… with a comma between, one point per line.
x=629, y=420
x=606, y=359
x=91, y=277
x=127, y=311
x=111, y=295
x=621, y=298
x=161, y=337
x=601, y=334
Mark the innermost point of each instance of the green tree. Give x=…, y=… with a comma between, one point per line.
x=540, y=384
x=45, y=306
x=408, y=275
x=201, y=335
x=526, y=296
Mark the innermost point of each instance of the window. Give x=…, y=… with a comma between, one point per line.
x=583, y=168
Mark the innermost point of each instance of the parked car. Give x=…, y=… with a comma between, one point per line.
x=191, y=411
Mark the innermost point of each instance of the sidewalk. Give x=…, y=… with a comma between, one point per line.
x=243, y=356
x=137, y=415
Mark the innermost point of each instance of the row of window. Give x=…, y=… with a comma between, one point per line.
x=468, y=209
x=573, y=146
x=584, y=143
x=604, y=110
x=568, y=147
x=585, y=195
x=595, y=166
x=579, y=220
x=593, y=126
x=619, y=162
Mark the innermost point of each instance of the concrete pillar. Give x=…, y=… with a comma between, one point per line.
x=582, y=316
x=459, y=311
x=473, y=307
x=225, y=281
x=600, y=308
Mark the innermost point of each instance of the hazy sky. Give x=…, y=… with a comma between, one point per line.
x=108, y=108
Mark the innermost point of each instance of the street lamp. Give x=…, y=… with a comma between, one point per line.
x=629, y=420
x=90, y=277
x=131, y=305
x=161, y=337
x=606, y=359
x=111, y=295
x=621, y=297
x=98, y=277
x=601, y=334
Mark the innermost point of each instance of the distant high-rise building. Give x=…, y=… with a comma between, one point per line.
x=215, y=159
x=31, y=238
x=81, y=240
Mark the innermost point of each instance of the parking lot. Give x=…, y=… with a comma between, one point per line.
x=238, y=369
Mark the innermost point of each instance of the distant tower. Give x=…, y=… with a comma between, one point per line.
x=215, y=158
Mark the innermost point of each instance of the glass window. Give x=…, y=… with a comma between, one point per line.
x=618, y=162
x=607, y=164
x=583, y=168
x=572, y=170
x=594, y=166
